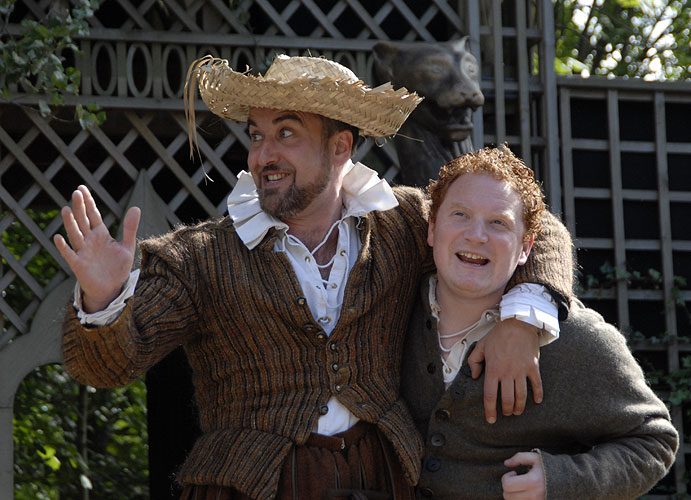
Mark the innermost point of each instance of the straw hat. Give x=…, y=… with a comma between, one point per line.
x=309, y=84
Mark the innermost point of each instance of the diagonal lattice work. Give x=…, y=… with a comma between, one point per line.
x=408, y=20
x=42, y=162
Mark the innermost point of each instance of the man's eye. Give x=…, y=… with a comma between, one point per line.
x=499, y=221
x=255, y=137
x=459, y=214
x=286, y=133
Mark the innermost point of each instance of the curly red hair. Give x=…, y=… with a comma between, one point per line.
x=501, y=164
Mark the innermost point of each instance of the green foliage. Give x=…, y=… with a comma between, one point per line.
x=42, y=267
x=35, y=59
x=56, y=458
x=626, y=38
x=678, y=381
x=69, y=437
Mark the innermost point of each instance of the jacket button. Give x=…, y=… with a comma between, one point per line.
x=321, y=336
x=426, y=493
x=332, y=346
x=334, y=367
x=442, y=415
x=437, y=440
x=338, y=388
x=457, y=393
x=301, y=301
x=428, y=324
x=433, y=465
x=309, y=327
x=431, y=368
x=323, y=410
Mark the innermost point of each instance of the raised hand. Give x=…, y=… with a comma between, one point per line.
x=100, y=263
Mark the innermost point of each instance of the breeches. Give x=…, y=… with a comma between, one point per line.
x=357, y=464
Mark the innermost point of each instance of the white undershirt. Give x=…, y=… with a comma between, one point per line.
x=487, y=320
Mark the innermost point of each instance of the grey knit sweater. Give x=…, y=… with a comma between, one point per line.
x=600, y=430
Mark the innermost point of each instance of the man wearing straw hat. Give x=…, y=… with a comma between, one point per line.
x=292, y=310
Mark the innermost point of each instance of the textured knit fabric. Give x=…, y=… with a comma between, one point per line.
x=262, y=368
x=358, y=463
x=600, y=430
x=551, y=262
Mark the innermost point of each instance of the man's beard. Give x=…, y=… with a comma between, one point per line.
x=295, y=199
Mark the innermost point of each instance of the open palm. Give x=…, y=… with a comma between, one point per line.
x=100, y=263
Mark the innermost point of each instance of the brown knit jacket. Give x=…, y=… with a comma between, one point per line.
x=261, y=366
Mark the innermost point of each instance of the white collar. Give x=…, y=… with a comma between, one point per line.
x=491, y=314
x=363, y=192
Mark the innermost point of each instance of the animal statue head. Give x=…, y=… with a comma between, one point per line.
x=446, y=74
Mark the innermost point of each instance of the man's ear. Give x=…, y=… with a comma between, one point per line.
x=430, y=233
x=343, y=145
x=525, y=251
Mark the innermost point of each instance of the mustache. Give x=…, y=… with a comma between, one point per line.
x=271, y=168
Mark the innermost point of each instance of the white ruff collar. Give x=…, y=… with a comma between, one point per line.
x=363, y=192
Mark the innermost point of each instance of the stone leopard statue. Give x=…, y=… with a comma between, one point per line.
x=447, y=75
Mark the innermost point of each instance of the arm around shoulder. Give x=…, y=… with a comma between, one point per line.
x=551, y=262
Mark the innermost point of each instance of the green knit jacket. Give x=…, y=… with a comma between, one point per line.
x=262, y=367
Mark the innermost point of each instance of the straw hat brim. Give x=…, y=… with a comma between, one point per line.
x=377, y=112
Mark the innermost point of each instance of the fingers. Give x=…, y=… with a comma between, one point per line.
x=507, y=397
x=529, y=486
x=521, y=395
x=513, y=483
x=490, y=399
x=129, y=229
x=74, y=234
x=476, y=359
x=67, y=253
x=79, y=212
x=536, y=383
x=522, y=458
x=92, y=213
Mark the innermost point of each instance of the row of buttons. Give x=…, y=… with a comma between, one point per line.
x=436, y=439
x=309, y=327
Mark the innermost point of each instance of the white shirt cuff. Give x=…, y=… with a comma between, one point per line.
x=532, y=303
x=110, y=313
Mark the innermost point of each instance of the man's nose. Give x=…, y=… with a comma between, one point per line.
x=268, y=153
x=476, y=231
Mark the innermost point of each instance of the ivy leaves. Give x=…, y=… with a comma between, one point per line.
x=34, y=58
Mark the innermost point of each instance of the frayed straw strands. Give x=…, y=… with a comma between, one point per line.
x=308, y=84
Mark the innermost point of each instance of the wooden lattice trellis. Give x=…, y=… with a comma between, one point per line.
x=133, y=64
x=626, y=163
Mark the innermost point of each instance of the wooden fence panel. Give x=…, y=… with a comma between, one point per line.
x=627, y=183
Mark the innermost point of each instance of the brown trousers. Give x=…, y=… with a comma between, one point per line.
x=357, y=464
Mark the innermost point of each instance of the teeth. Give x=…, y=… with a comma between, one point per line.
x=275, y=177
x=470, y=255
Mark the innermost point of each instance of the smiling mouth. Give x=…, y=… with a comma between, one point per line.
x=472, y=258
x=274, y=177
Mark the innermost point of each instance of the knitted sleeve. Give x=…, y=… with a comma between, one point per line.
x=550, y=263
x=632, y=441
x=414, y=203
x=152, y=324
